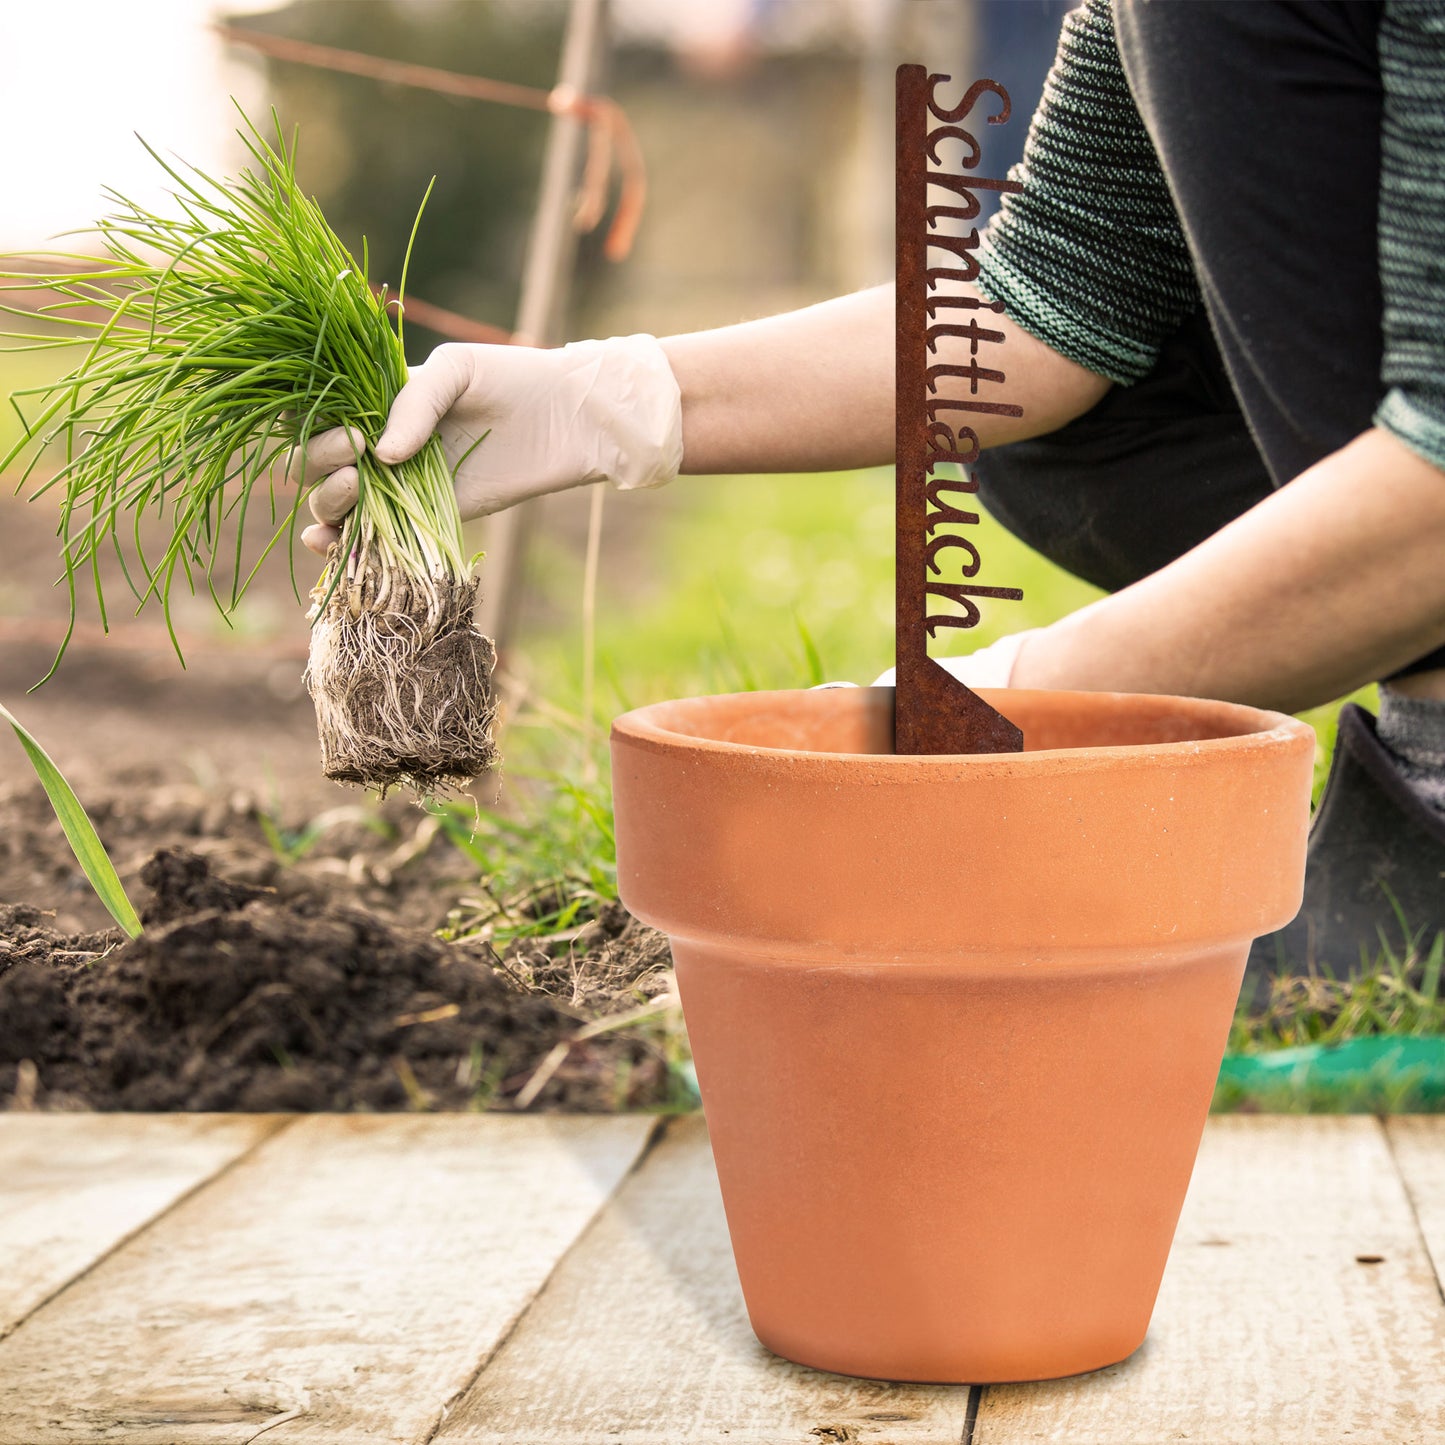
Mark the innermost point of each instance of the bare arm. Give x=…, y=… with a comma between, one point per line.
x=1327, y=584
x=812, y=390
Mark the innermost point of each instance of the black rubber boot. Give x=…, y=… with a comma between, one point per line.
x=1376, y=856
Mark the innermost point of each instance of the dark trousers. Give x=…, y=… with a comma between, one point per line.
x=1266, y=118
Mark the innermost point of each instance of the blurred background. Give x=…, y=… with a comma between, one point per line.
x=766, y=131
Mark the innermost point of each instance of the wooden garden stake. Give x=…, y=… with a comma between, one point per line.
x=551, y=252
x=934, y=711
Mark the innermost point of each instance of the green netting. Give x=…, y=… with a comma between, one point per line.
x=1390, y=1074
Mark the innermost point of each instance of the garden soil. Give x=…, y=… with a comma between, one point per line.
x=256, y=998
x=291, y=959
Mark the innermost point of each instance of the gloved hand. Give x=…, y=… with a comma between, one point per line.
x=990, y=666
x=588, y=412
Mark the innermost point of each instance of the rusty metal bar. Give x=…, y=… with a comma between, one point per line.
x=933, y=711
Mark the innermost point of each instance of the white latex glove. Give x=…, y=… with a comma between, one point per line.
x=990, y=666
x=591, y=411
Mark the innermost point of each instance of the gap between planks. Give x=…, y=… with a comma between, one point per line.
x=658, y=1132
x=1417, y=1143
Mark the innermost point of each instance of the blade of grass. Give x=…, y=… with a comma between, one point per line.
x=79, y=830
x=812, y=659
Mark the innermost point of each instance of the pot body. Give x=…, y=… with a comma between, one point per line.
x=957, y=1020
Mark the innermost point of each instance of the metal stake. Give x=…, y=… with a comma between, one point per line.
x=933, y=712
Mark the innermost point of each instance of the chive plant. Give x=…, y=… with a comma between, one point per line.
x=211, y=342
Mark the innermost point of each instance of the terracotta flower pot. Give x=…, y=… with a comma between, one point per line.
x=957, y=1020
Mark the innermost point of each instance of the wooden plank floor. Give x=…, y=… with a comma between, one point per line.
x=490, y=1280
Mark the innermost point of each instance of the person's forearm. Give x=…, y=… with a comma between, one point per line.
x=813, y=390
x=1331, y=582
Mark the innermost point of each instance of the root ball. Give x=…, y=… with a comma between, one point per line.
x=402, y=683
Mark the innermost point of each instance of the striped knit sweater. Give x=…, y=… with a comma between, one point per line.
x=1090, y=257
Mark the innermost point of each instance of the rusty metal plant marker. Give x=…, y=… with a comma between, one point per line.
x=934, y=711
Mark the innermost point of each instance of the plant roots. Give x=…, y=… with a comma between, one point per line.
x=401, y=679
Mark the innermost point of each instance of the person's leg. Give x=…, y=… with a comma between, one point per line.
x=1266, y=117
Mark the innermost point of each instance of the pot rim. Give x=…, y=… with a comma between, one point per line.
x=1261, y=728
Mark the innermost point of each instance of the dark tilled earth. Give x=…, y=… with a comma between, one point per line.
x=239, y=996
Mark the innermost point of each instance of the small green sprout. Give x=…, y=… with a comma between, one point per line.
x=79, y=830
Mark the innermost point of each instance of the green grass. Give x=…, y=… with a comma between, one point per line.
x=1326, y=1037
x=1368, y=1040
x=544, y=868
x=762, y=582
x=1396, y=993
x=1383, y=1079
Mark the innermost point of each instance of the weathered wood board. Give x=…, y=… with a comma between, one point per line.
x=1273, y=1324
x=347, y=1279
x=338, y=1285
x=74, y=1186
x=641, y=1338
